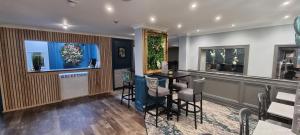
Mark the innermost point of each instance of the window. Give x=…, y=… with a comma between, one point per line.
x=287, y=64
x=224, y=59
x=48, y=56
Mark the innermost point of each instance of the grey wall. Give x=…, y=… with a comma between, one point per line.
x=261, y=50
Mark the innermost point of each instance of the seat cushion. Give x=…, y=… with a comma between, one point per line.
x=179, y=86
x=161, y=92
x=187, y=95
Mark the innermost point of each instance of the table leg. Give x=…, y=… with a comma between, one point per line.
x=170, y=99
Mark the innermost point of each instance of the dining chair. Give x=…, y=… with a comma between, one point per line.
x=262, y=111
x=268, y=90
x=128, y=83
x=244, y=115
x=192, y=95
x=156, y=92
x=262, y=106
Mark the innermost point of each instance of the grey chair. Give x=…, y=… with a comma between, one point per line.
x=181, y=83
x=244, y=121
x=192, y=95
x=267, y=90
x=262, y=106
x=156, y=92
x=262, y=111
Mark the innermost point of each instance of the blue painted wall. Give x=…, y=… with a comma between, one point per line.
x=90, y=51
x=141, y=92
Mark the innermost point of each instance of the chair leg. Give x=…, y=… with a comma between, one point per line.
x=156, y=116
x=187, y=108
x=178, y=107
x=195, y=114
x=128, y=97
x=145, y=109
x=122, y=95
x=201, y=111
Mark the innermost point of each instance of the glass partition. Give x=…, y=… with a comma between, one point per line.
x=223, y=59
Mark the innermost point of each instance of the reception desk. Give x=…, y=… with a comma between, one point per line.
x=240, y=90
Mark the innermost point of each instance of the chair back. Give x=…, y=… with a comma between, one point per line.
x=126, y=76
x=244, y=121
x=152, y=84
x=198, y=86
x=262, y=106
x=268, y=89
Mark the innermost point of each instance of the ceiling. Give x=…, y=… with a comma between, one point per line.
x=91, y=16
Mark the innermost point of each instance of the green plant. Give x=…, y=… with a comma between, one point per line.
x=72, y=54
x=37, y=62
x=155, y=51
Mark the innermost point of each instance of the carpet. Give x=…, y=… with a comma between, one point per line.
x=217, y=120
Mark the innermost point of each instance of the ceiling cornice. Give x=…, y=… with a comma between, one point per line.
x=145, y=26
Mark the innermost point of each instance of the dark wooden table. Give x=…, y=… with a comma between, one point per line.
x=171, y=77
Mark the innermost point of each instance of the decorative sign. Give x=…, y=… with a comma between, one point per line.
x=155, y=51
x=122, y=52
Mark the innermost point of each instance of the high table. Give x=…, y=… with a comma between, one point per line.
x=266, y=128
x=286, y=97
x=171, y=77
x=281, y=110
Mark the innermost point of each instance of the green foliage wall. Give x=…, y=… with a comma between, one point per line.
x=155, y=51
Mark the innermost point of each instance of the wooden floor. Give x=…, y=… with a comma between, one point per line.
x=101, y=115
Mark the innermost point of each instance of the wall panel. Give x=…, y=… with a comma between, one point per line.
x=21, y=89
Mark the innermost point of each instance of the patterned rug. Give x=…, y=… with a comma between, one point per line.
x=217, y=120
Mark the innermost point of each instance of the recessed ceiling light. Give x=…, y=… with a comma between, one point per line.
x=232, y=25
x=179, y=26
x=198, y=30
x=65, y=25
x=132, y=34
x=152, y=19
x=109, y=8
x=193, y=5
x=286, y=17
x=218, y=18
x=286, y=3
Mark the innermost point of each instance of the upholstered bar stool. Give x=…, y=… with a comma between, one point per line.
x=157, y=92
x=192, y=95
x=128, y=83
x=181, y=83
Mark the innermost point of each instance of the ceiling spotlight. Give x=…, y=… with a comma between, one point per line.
x=65, y=24
x=132, y=34
x=179, y=26
x=109, y=8
x=286, y=17
x=193, y=5
x=218, y=18
x=232, y=25
x=286, y=3
x=198, y=30
x=152, y=19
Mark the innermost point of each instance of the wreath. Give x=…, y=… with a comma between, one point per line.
x=72, y=54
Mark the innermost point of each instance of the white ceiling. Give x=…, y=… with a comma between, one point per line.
x=90, y=16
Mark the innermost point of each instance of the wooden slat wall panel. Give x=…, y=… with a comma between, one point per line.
x=21, y=89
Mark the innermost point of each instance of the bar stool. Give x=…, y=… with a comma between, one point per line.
x=181, y=83
x=192, y=95
x=244, y=121
x=156, y=92
x=128, y=83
